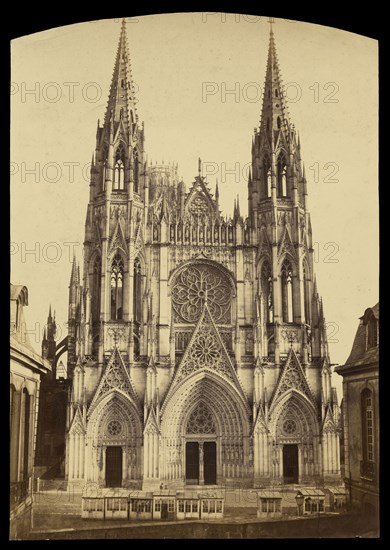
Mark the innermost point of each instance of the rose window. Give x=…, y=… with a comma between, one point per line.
x=114, y=377
x=205, y=350
x=190, y=290
x=114, y=427
x=289, y=426
x=201, y=421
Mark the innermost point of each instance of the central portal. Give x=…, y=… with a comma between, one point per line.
x=201, y=450
x=201, y=463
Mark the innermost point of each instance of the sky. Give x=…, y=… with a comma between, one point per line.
x=198, y=80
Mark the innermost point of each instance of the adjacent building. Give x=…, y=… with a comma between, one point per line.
x=197, y=346
x=361, y=415
x=50, y=453
x=27, y=368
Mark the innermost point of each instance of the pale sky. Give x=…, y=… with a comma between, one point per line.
x=184, y=66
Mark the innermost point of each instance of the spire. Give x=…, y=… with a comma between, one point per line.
x=216, y=192
x=49, y=317
x=74, y=274
x=274, y=115
x=121, y=100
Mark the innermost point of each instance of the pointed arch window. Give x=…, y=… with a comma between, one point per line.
x=119, y=169
x=104, y=168
x=267, y=290
x=137, y=288
x=282, y=177
x=306, y=294
x=117, y=270
x=287, y=292
x=367, y=426
x=136, y=172
x=96, y=289
x=267, y=178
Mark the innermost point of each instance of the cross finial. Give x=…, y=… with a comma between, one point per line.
x=271, y=21
x=199, y=166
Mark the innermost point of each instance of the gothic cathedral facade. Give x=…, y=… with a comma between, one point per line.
x=197, y=347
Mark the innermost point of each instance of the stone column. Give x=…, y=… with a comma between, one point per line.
x=201, y=463
x=146, y=457
x=71, y=456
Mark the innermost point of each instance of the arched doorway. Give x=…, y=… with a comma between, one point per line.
x=114, y=441
x=295, y=445
x=201, y=447
x=208, y=411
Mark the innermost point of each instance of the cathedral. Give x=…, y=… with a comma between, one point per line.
x=197, y=346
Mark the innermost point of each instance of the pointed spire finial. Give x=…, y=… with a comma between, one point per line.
x=199, y=166
x=121, y=100
x=274, y=115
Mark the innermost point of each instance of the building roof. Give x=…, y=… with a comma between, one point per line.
x=269, y=494
x=21, y=348
x=311, y=492
x=371, y=310
x=140, y=495
x=211, y=494
x=360, y=355
x=19, y=291
x=336, y=490
x=188, y=495
x=110, y=493
x=164, y=493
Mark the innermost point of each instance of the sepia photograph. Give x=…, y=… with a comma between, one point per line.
x=194, y=297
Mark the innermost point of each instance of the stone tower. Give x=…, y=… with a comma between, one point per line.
x=197, y=341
